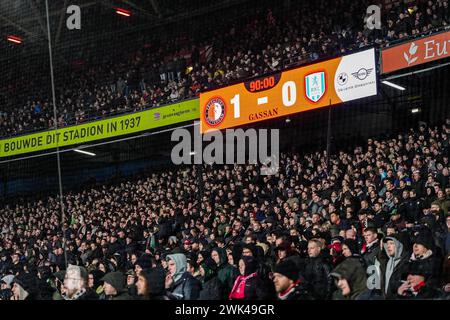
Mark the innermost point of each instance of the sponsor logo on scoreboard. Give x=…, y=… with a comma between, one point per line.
x=362, y=73
x=263, y=114
x=215, y=111
x=315, y=86
x=342, y=78
x=362, y=76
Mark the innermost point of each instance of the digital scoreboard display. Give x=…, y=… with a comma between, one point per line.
x=302, y=89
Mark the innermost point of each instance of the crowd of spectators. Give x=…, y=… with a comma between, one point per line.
x=368, y=224
x=265, y=41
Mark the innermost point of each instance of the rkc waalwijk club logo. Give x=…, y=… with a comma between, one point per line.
x=215, y=111
x=315, y=86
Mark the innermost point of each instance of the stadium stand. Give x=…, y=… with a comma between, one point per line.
x=308, y=224
x=123, y=81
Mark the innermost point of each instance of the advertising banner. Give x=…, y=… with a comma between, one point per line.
x=103, y=129
x=416, y=52
x=302, y=89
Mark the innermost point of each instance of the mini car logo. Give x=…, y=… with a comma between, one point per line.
x=362, y=73
x=342, y=78
x=215, y=111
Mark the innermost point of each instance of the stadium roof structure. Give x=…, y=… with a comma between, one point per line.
x=27, y=17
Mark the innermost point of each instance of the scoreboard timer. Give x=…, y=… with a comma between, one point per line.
x=305, y=88
x=262, y=84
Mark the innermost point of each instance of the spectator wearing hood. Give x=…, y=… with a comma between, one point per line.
x=417, y=285
x=114, y=286
x=350, y=278
x=5, y=288
x=226, y=273
x=57, y=284
x=288, y=284
x=45, y=288
x=249, y=285
x=151, y=284
x=212, y=288
x=25, y=287
x=180, y=284
x=395, y=266
x=350, y=248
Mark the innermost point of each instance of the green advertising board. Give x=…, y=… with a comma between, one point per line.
x=103, y=129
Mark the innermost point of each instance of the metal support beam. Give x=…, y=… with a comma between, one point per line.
x=155, y=7
x=38, y=17
x=30, y=34
x=140, y=9
x=61, y=22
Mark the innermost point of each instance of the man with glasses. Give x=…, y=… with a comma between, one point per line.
x=75, y=284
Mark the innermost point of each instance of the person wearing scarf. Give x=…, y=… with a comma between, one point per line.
x=249, y=285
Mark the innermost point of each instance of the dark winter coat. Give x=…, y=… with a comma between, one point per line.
x=430, y=264
x=212, y=290
x=427, y=292
x=371, y=253
x=226, y=273
x=156, y=278
x=298, y=292
x=186, y=288
x=317, y=274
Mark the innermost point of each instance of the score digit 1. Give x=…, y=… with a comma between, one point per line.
x=236, y=102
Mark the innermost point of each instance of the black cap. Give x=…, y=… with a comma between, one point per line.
x=288, y=269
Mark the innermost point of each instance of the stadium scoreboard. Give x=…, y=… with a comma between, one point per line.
x=305, y=88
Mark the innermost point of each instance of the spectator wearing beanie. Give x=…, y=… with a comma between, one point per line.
x=287, y=282
x=350, y=248
x=144, y=262
x=350, y=251
x=424, y=255
x=417, y=285
x=336, y=252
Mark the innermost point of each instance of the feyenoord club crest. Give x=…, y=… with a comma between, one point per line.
x=315, y=86
x=215, y=110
